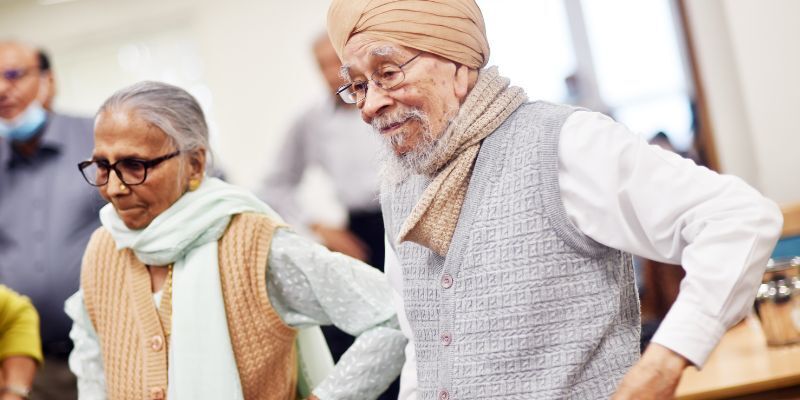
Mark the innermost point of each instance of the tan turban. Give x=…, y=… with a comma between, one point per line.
x=453, y=29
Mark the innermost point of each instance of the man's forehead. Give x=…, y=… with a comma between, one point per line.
x=12, y=53
x=360, y=56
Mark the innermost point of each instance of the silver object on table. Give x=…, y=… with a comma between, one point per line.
x=778, y=301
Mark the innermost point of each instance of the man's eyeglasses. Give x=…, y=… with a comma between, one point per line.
x=130, y=171
x=386, y=77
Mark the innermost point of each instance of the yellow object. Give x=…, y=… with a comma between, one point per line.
x=122, y=187
x=194, y=184
x=453, y=29
x=118, y=297
x=19, y=326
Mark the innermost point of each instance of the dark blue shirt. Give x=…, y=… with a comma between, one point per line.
x=47, y=213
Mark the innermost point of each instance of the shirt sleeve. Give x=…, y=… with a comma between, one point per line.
x=408, y=375
x=629, y=195
x=280, y=186
x=19, y=326
x=86, y=359
x=309, y=285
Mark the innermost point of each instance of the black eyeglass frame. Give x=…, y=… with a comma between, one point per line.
x=146, y=164
x=340, y=91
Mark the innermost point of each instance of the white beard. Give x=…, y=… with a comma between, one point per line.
x=397, y=168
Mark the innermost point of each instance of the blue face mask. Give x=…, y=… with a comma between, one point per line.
x=24, y=126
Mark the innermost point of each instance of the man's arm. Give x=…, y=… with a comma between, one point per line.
x=626, y=194
x=279, y=186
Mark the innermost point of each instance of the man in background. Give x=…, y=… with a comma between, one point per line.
x=47, y=91
x=331, y=135
x=46, y=212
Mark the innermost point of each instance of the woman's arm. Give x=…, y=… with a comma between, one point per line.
x=85, y=360
x=20, y=344
x=309, y=285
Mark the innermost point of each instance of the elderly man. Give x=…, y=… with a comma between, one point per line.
x=46, y=212
x=514, y=221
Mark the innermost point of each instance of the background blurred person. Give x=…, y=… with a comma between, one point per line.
x=46, y=212
x=20, y=347
x=330, y=134
x=214, y=286
x=47, y=92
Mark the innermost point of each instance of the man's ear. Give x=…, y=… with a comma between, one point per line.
x=461, y=85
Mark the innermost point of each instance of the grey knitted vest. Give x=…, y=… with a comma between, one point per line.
x=524, y=306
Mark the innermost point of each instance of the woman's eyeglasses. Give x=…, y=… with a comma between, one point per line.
x=131, y=171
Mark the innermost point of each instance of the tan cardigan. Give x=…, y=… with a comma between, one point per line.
x=116, y=289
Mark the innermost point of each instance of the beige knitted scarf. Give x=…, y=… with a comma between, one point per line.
x=434, y=217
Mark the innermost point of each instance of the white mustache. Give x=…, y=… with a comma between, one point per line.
x=384, y=121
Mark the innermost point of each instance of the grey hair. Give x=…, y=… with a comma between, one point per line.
x=169, y=108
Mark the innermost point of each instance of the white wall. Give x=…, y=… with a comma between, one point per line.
x=249, y=60
x=256, y=70
x=749, y=58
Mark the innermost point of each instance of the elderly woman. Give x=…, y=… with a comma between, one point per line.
x=192, y=288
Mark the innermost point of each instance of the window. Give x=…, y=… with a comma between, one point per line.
x=621, y=57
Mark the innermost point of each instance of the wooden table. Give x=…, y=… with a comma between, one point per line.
x=741, y=365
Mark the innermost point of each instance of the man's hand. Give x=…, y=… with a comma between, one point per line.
x=655, y=376
x=341, y=240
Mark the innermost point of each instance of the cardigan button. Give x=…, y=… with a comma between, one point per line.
x=446, y=338
x=444, y=395
x=156, y=343
x=447, y=280
x=157, y=393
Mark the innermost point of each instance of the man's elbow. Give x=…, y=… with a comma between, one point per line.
x=773, y=220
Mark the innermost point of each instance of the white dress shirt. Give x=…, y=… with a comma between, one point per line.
x=626, y=194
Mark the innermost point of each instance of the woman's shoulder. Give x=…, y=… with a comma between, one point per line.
x=254, y=220
x=100, y=238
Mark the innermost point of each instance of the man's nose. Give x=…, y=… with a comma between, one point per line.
x=376, y=100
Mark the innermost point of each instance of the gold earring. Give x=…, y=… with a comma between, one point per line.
x=122, y=187
x=194, y=184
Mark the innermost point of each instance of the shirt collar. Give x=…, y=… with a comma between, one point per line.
x=50, y=144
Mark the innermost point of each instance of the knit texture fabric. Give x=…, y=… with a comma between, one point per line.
x=118, y=298
x=524, y=306
x=433, y=219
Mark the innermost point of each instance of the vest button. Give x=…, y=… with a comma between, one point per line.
x=447, y=281
x=444, y=395
x=446, y=338
x=157, y=393
x=156, y=343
